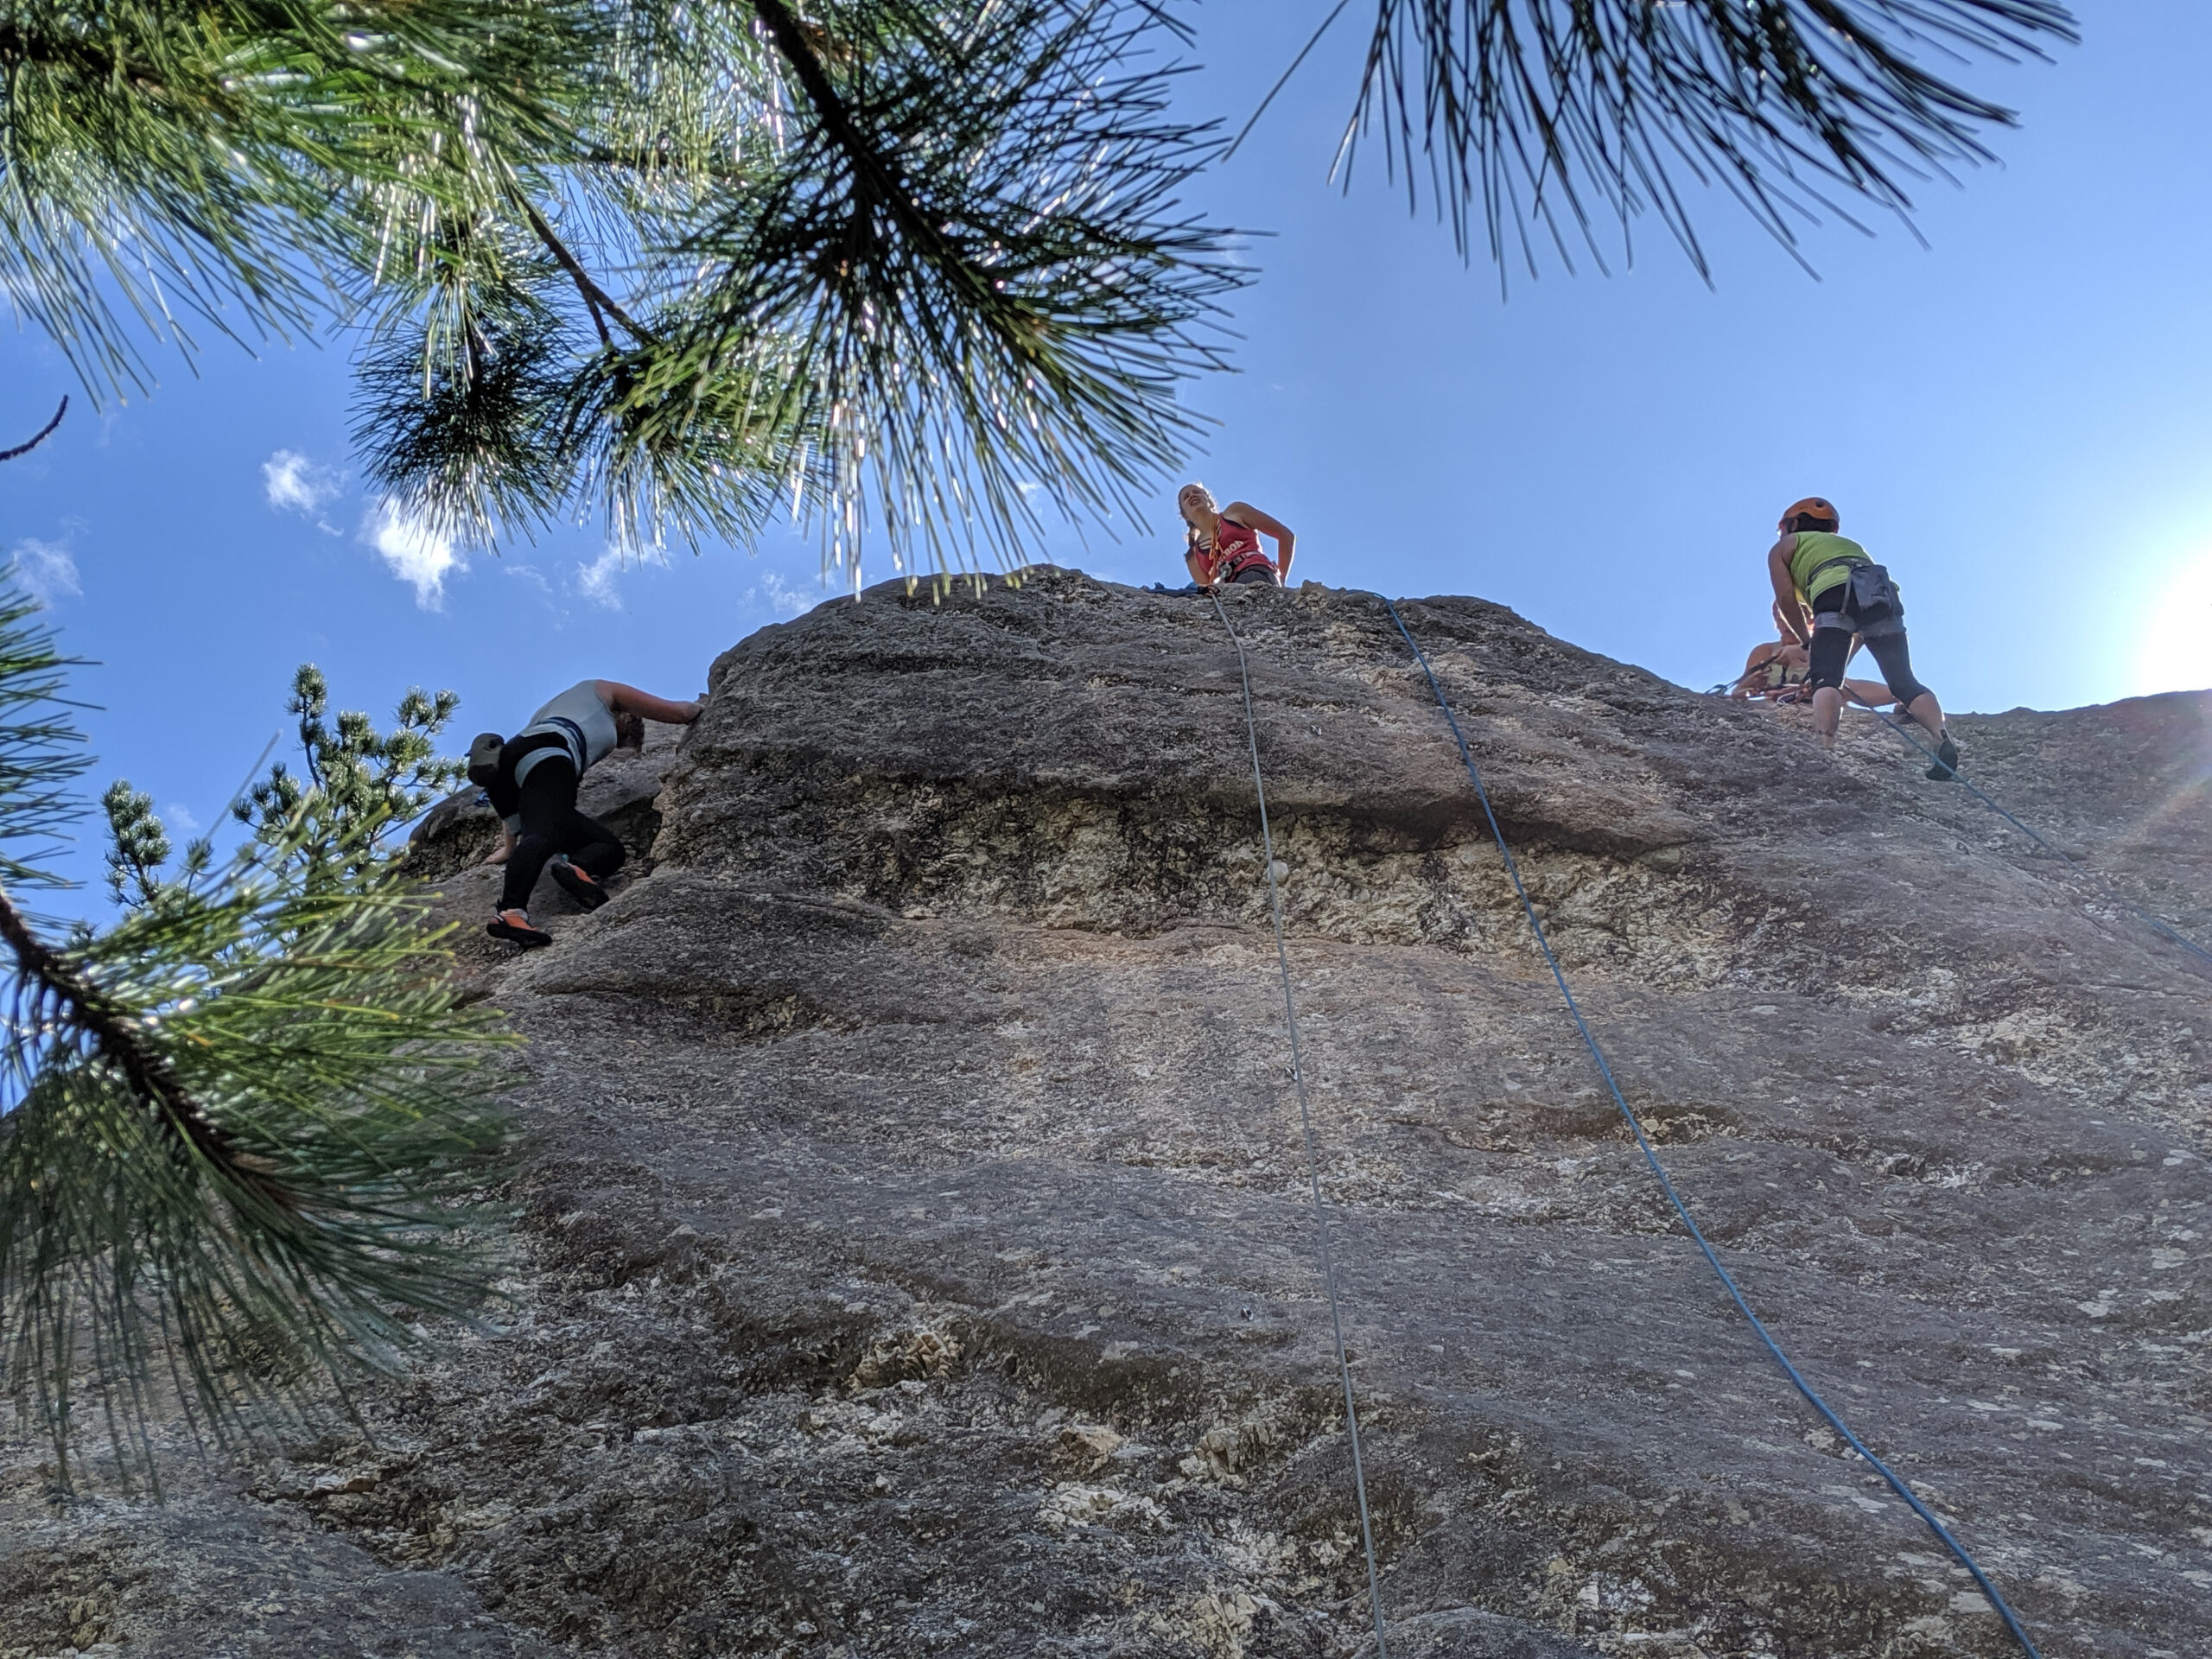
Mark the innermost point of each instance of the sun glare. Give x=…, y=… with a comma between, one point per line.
x=2173, y=648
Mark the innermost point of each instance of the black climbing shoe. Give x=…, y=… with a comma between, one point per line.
x=514, y=926
x=579, y=885
x=1947, y=762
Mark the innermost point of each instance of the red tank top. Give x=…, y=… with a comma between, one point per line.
x=1236, y=549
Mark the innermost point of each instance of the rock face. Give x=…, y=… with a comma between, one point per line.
x=919, y=1252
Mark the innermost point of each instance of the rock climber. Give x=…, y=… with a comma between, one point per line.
x=1815, y=569
x=1776, y=672
x=531, y=779
x=1223, y=542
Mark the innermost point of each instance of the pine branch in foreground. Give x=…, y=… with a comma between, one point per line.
x=901, y=268
x=246, y=1137
x=971, y=250
x=1549, y=116
x=37, y=437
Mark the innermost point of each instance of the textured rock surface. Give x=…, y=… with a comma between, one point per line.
x=918, y=1252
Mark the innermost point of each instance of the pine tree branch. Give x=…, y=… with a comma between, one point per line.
x=44, y=433
x=837, y=121
x=595, y=296
x=81, y=1007
x=46, y=51
x=1535, y=122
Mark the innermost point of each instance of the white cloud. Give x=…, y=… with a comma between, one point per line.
x=416, y=551
x=782, y=596
x=294, y=484
x=45, y=571
x=179, y=817
x=596, y=580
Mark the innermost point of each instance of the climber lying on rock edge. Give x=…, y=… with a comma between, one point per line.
x=1776, y=672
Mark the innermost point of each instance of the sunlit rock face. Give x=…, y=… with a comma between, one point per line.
x=919, y=1251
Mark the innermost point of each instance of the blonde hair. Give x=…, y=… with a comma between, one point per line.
x=1190, y=530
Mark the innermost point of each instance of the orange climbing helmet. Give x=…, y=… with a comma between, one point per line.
x=1813, y=506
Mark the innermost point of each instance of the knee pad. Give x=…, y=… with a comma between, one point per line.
x=1831, y=638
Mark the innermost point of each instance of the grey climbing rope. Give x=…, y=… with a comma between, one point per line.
x=2111, y=891
x=1313, y=1158
x=1896, y=1482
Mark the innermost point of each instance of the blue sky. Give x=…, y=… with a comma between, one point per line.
x=2015, y=417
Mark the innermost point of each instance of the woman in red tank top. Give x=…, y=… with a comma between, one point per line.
x=1223, y=544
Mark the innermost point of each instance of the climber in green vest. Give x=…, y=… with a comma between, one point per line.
x=1817, y=571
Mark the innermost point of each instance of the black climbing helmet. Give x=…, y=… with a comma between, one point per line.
x=484, y=751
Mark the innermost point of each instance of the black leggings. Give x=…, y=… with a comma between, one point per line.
x=1832, y=650
x=550, y=824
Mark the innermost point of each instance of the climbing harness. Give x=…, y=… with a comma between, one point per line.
x=1866, y=589
x=2110, y=891
x=1896, y=1482
x=1306, y=1122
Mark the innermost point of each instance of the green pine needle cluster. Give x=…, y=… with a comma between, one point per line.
x=248, y=1139
x=1548, y=118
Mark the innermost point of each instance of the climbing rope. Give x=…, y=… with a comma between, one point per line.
x=1559, y=977
x=2111, y=891
x=1306, y=1122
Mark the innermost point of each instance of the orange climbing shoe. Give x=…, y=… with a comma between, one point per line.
x=515, y=926
x=580, y=885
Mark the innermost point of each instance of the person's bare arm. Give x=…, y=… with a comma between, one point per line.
x=1785, y=589
x=628, y=700
x=1251, y=517
x=1201, y=571
x=1754, y=667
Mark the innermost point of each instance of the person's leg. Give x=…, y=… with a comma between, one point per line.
x=1831, y=648
x=1827, y=714
x=1894, y=658
x=590, y=846
x=1867, y=692
x=549, y=801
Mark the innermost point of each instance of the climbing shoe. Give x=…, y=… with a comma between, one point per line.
x=1947, y=761
x=580, y=885
x=514, y=926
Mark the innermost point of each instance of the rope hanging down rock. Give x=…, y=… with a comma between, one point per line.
x=2111, y=891
x=1306, y=1122
x=1559, y=977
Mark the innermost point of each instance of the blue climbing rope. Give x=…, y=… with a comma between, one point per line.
x=2111, y=891
x=1897, y=1482
x=1313, y=1158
